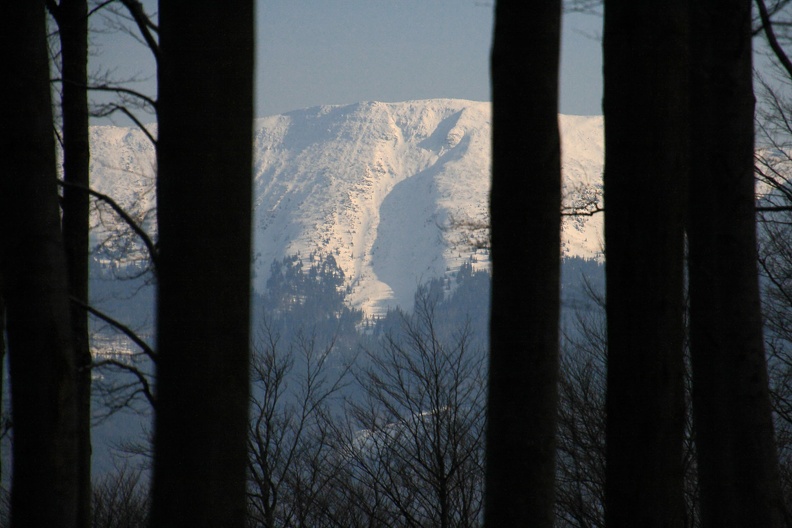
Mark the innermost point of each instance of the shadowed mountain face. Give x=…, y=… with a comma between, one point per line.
x=384, y=187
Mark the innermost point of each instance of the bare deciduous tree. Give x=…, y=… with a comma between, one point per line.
x=412, y=454
x=292, y=389
x=120, y=499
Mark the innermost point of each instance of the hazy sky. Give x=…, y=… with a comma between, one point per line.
x=345, y=51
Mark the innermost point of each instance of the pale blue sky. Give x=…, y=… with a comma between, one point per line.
x=345, y=51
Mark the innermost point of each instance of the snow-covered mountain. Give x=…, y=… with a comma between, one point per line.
x=384, y=187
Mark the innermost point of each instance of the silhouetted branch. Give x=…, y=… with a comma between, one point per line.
x=99, y=7
x=767, y=25
x=773, y=208
x=144, y=24
x=575, y=211
x=146, y=386
x=133, y=225
x=474, y=233
x=124, y=329
x=122, y=90
x=112, y=108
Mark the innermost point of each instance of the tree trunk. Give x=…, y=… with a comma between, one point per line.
x=645, y=106
x=72, y=19
x=3, y=416
x=35, y=285
x=737, y=460
x=525, y=204
x=204, y=201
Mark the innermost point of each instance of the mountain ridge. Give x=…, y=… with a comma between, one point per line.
x=382, y=186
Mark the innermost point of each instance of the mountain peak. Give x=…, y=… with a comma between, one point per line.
x=376, y=184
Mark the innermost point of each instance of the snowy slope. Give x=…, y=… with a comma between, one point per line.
x=123, y=167
x=376, y=184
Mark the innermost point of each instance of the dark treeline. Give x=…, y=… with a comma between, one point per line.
x=380, y=423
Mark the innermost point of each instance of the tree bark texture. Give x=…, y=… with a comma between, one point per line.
x=204, y=212
x=525, y=203
x=737, y=460
x=645, y=106
x=35, y=285
x=72, y=20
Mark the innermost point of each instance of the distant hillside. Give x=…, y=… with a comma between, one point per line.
x=381, y=186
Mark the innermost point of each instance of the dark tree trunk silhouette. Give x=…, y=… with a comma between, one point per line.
x=525, y=209
x=3, y=416
x=35, y=287
x=204, y=204
x=738, y=471
x=71, y=17
x=645, y=106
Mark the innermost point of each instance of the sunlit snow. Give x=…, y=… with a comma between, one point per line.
x=376, y=184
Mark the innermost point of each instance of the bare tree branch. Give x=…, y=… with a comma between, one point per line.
x=99, y=7
x=112, y=108
x=574, y=211
x=122, y=90
x=767, y=24
x=144, y=24
x=133, y=225
x=141, y=377
x=124, y=329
